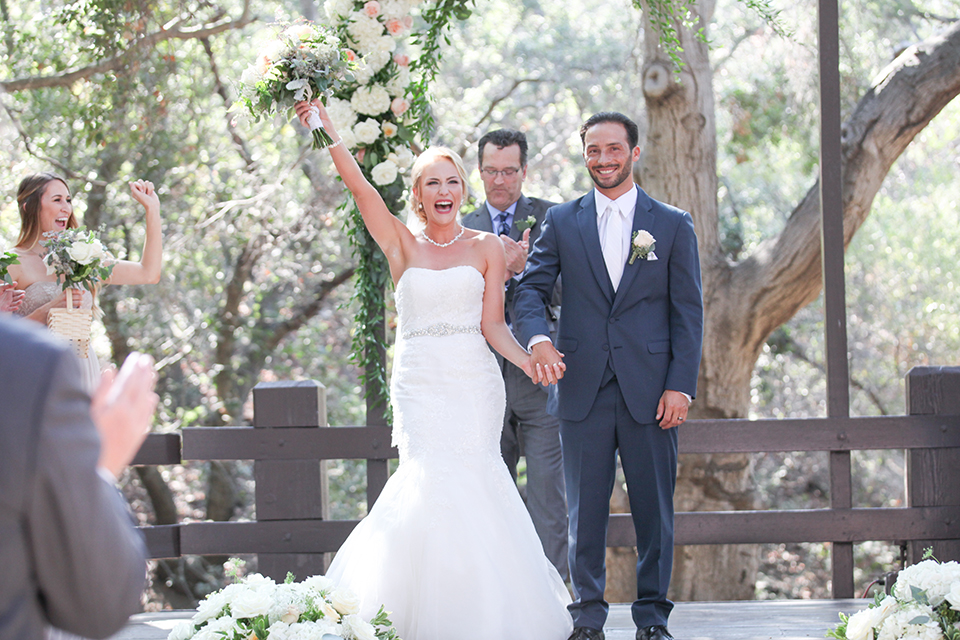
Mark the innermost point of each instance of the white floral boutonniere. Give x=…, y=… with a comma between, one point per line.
x=526, y=223
x=642, y=246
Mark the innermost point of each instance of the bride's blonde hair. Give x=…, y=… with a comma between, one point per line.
x=425, y=159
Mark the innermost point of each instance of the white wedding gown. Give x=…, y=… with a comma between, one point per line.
x=39, y=294
x=449, y=548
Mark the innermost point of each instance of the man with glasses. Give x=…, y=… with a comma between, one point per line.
x=528, y=429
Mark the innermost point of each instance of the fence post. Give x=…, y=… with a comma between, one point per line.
x=290, y=489
x=933, y=475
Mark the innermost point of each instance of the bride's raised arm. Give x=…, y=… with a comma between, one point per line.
x=390, y=234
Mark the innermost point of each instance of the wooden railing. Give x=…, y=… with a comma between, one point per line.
x=289, y=442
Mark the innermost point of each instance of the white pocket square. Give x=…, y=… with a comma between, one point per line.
x=652, y=256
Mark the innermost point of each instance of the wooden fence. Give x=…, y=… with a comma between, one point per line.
x=290, y=441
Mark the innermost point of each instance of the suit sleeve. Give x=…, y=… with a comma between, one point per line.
x=90, y=560
x=686, y=310
x=536, y=288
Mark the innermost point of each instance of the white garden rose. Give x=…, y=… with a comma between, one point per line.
x=389, y=130
x=384, y=173
x=251, y=603
x=184, y=630
x=86, y=252
x=210, y=607
x=953, y=596
x=349, y=140
x=217, y=629
x=357, y=628
x=642, y=239
x=367, y=131
x=319, y=583
x=405, y=157
x=329, y=613
x=860, y=625
x=363, y=74
x=371, y=100
x=377, y=60
x=345, y=601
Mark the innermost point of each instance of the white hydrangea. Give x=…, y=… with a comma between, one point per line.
x=897, y=626
x=397, y=85
x=371, y=100
x=384, y=173
x=356, y=627
x=343, y=117
x=403, y=157
x=364, y=31
x=337, y=9
x=218, y=629
x=393, y=9
x=363, y=74
x=377, y=60
x=930, y=576
x=383, y=44
x=366, y=132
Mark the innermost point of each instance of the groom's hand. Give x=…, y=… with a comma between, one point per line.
x=672, y=410
x=548, y=364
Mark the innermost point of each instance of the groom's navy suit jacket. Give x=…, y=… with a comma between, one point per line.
x=649, y=331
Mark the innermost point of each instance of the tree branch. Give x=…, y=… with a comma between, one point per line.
x=174, y=30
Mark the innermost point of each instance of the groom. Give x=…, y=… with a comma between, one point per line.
x=630, y=334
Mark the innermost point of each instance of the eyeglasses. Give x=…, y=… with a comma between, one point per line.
x=509, y=172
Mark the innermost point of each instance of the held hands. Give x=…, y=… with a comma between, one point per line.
x=144, y=193
x=547, y=364
x=516, y=252
x=672, y=409
x=122, y=409
x=10, y=297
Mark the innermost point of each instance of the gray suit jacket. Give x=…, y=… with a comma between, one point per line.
x=479, y=219
x=70, y=553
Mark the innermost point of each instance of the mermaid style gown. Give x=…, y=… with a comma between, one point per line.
x=449, y=548
x=39, y=294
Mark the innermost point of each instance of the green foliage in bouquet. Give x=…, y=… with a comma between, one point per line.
x=924, y=605
x=7, y=259
x=77, y=258
x=305, y=61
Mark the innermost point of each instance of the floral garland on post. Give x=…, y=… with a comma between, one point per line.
x=379, y=114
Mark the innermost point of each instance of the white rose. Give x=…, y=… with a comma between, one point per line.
x=251, y=603
x=953, y=596
x=642, y=239
x=329, y=612
x=405, y=157
x=860, y=625
x=218, y=629
x=356, y=628
x=389, y=129
x=367, y=131
x=82, y=252
x=349, y=140
x=377, y=60
x=345, y=601
x=318, y=583
x=183, y=631
x=384, y=173
x=210, y=607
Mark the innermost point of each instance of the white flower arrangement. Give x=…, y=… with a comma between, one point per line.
x=77, y=258
x=642, y=246
x=257, y=607
x=371, y=100
x=304, y=61
x=385, y=173
x=367, y=131
x=925, y=605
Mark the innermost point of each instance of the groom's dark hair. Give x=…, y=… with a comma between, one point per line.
x=502, y=138
x=633, y=132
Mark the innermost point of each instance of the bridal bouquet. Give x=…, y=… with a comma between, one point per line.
x=305, y=61
x=925, y=605
x=257, y=607
x=77, y=257
x=7, y=259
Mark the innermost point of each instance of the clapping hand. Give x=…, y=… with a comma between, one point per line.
x=10, y=297
x=144, y=193
x=516, y=252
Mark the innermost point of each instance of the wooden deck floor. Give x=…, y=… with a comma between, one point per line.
x=754, y=620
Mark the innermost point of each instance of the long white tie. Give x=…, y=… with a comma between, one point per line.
x=612, y=244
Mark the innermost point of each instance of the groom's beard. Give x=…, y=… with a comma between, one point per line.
x=612, y=181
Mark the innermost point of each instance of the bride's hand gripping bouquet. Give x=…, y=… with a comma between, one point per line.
x=305, y=61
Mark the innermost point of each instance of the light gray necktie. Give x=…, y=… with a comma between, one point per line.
x=612, y=243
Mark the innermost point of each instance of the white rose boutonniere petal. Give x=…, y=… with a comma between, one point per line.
x=642, y=246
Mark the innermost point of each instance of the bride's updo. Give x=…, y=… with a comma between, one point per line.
x=29, y=193
x=425, y=159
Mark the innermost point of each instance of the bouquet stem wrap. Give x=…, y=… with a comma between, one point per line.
x=320, y=136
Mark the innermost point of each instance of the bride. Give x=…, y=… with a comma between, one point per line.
x=46, y=205
x=448, y=548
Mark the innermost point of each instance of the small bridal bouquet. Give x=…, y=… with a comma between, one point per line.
x=925, y=605
x=257, y=607
x=305, y=61
x=77, y=258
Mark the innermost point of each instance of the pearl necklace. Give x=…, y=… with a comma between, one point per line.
x=441, y=244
